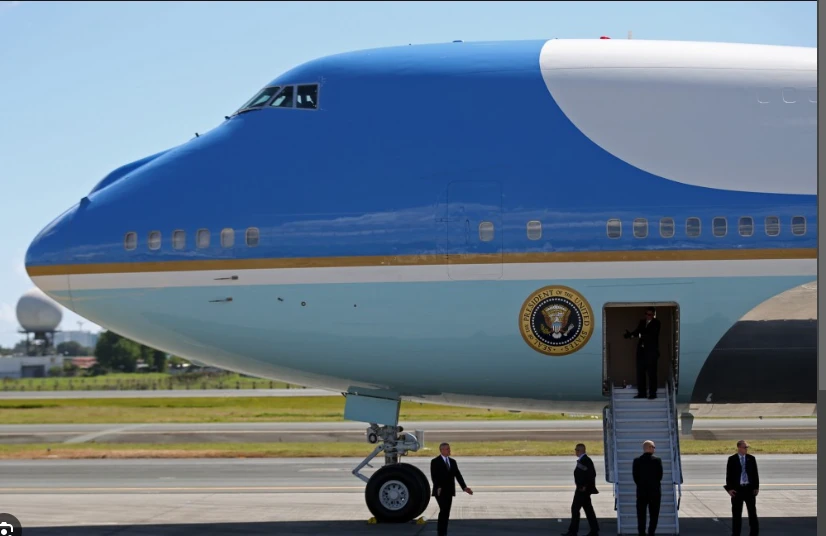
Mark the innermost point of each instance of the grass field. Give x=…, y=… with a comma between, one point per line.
x=246, y=409
x=302, y=450
x=143, y=382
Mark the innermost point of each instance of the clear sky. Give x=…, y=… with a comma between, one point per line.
x=86, y=87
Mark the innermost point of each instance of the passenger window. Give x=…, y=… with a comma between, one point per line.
x=798, y=225
x=202, y=239
x=130, y=241
x=284, y=99
x=772, y=225
x=155, y=240
x=640, y=228
x=227, y=238
x=719, y=226
x=534, y=230
x=260, y=98
x=613, y=228
x=252, y=237
x=667, y=227
x=307, y=97
x=692, y=227
x=746, y=225
x=486, y=231
x=179, y=239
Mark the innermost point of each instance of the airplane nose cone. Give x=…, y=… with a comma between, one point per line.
x=48, y=255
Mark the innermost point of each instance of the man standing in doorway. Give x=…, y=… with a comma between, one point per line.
x=743, y=485
x=585, y=478
x=648, y=352
x=648, y=476
x=443, y=471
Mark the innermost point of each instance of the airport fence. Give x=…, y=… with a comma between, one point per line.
x=142, y=382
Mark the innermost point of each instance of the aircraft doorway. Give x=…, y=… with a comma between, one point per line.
x=619, y=355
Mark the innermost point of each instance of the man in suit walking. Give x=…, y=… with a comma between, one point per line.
x=648, y=476
x=585, y=478
x=648, y=352
x=743, y=485
x=443, y=471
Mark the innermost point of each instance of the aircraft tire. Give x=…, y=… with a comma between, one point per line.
x=394, y=494
x=425, y=483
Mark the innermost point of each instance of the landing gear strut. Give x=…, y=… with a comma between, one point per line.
x=398, y=492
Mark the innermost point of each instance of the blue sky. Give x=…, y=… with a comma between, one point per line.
x=86, y=87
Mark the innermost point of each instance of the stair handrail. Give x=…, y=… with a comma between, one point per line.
x=607, y=442
x=614, y=460
x=676, y=464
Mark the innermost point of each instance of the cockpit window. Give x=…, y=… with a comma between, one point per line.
x=284, y=99
x=307, y=96
x=260, y=99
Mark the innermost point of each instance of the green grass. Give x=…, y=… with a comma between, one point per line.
x=140, y=381
x=234, y=409
x=302, y=450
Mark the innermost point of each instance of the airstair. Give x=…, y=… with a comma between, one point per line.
x=627, y=423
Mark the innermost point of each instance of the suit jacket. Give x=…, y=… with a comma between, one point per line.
x=733, y=470
x=648, y=474
x=585, y=475
x=648, y=336
x=444, y=478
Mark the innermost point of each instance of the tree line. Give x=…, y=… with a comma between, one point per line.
x=114, y=353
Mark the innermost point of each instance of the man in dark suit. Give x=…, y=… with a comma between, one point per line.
x=443, y=471
x=585, y=478
x=648, y=352
x=743, y=485
x=648, y=476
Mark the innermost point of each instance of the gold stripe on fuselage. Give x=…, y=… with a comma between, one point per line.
x=424, y=260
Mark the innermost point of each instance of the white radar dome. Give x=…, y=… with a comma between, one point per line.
x=37, y=312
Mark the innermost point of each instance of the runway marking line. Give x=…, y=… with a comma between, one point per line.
x=494, y=430
x=322, y=488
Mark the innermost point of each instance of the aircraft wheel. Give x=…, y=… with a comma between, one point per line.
x=394, y=493
x=425, y=484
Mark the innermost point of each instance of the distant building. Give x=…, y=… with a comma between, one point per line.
x=83, y=338
x=84, y=362
x=29, y=367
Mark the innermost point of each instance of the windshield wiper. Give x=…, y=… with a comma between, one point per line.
x=248, y=110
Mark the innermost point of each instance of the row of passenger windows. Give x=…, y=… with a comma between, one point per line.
x=693, y=228
x=719, y=227
x=203, y=239
x=303, y=96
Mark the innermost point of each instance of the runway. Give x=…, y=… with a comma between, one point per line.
x=435, y=432
x=513, y=495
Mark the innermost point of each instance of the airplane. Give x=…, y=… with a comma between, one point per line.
x=472, y=224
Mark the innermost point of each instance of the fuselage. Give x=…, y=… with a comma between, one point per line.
x=387, y=236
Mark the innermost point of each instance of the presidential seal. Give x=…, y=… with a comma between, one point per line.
x=556, y=321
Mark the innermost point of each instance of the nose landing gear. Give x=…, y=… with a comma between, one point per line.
x=397, y=492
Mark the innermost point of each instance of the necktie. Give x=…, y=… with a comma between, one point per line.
x=743, y=477
x=447, y=462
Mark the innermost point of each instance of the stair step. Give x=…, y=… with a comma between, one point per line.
x=626, y=485
x=640, y=414
x=657, y=437
x=632, y=392
x=661, y=399
x=627, y=417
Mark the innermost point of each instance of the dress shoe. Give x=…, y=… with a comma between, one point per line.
x=640, y=396
x=652, y=397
